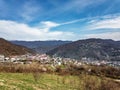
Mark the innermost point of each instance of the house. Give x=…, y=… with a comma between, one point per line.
x=2, y=58
x=6, y=59
x=43, y=57
x=12, y=59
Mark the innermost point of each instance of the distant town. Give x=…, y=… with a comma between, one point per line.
x=54, y=61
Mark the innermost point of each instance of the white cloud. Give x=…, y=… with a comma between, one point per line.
x=17, y=31
x=113, y=19
x=73, y=21
x=110, y=22
x=46, y=25
x=107, y=35
x=49, y=24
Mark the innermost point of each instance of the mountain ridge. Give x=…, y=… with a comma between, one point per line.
x=7, y=48
x=41, y=46
x=96, y=49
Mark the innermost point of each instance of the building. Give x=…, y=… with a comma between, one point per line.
x=2, y=57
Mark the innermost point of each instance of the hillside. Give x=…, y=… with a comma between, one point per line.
x=7, y=48
x=41, y=46
x=94, y=49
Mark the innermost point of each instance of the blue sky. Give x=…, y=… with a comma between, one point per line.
x=59, y=19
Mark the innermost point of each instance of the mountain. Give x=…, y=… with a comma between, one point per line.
x=41, y=46
x=7, y=48
x=94, y=49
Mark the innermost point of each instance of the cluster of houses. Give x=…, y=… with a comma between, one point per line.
x=45, y=59
x=101, y=62
x=42, y=58
x=26, y=57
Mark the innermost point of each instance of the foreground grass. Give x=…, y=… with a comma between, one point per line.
x=19, y=81
x=38, y=81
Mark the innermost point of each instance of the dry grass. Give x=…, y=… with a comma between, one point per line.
x=23, y=68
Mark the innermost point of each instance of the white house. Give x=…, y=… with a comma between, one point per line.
x=2, y=57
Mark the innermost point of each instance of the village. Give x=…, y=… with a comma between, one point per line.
x=54, y=61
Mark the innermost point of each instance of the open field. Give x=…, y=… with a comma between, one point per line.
x=43, y=81
x=19, y=81
x=37, y=76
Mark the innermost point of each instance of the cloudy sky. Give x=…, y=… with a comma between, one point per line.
x=59, y=19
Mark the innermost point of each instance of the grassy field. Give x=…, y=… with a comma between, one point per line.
x=70, y=77
x=37, y=81
x=19, y=81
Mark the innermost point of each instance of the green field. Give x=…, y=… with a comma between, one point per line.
x=19, y=81
x=38, y=81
